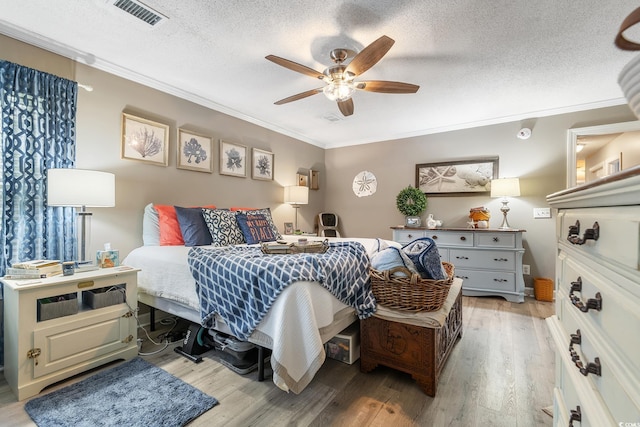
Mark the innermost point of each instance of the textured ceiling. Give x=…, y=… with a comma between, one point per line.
x=477, y=62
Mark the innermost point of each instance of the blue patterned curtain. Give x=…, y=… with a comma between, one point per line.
x=38, y=114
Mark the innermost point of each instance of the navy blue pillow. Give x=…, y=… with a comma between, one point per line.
x=194, y=230
x=255, y=228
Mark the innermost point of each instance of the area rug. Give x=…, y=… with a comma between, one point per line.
x=134, y=393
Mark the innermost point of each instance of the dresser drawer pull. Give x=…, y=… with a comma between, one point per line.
x=462, y=257
x=410, y=236
x=500, y=280
x=463, y=238
x=501, y=259
x=576, y=415
x=592, y=303
x=434, y=237
x=589, y=234
x=496, y=239
x=462, y=277
x=592, y=367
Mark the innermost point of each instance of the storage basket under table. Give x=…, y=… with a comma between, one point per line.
x=410, y=292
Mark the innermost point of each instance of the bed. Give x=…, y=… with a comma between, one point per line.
x=302, y=318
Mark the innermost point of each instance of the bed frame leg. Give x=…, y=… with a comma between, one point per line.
x=260, y=363
x=152, y=318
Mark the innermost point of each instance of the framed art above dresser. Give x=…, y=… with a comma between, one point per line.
x=597, y=298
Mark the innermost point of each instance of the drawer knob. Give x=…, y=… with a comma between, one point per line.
x=576, y=415
x=463, y=238
x=410, y=236
x=592, y=303
x=496, y=239
x=589, y=234
x=592, y=367
x=434, y=237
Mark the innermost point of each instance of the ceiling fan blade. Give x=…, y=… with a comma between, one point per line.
x=294, y=66
x=370, y=55
x=387, y=87
x=346, y=107
x=298, y=96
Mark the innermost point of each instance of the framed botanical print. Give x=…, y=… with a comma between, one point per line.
x=233, y=159
x=194, y=152
x=262, y=164
x=144, y=140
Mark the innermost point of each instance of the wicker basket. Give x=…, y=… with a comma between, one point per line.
x=543, y=289
x=410, y=293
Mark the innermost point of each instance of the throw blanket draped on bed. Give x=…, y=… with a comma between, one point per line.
x=240, y=283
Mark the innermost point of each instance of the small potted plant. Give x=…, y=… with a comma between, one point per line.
x=411, y=202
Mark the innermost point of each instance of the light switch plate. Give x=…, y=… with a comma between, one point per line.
x=542, y=212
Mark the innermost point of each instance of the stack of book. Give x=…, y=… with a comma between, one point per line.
x=36, y=269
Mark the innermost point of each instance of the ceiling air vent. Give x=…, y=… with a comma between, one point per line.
x=139, y=10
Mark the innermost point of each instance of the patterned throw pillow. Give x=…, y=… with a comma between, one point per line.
x=223, y=227
x=255, y=228
x=267, y=214
x=425, y=256
x=194, y=230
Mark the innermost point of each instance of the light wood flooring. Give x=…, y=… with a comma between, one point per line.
x=500, y=373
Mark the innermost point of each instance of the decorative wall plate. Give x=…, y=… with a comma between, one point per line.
x=364, y=184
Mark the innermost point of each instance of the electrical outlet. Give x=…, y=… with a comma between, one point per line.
x=526, y=269
x=542, y=212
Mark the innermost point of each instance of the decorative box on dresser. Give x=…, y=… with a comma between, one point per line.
x=595, y=328
x=61, y=326
x=489, y=261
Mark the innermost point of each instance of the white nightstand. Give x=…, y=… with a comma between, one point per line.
x=60, y=326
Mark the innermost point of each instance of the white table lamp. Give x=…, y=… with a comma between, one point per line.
x=505, y=187
x=296, y=195
x=81, y=188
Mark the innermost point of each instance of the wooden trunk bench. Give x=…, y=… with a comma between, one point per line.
x=419, y=351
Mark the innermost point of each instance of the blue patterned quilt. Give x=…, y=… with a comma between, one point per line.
x=240, y=283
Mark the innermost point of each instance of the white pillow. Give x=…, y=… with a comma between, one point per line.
x=150, y=226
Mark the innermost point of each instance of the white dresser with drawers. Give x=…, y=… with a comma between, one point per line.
x=489, y=261
x=596, y=328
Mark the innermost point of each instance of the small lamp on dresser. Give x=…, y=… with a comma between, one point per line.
x=505, y=187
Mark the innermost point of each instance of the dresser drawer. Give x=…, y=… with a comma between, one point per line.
x=406, y=236
x=616, y=385
x=619, y=310
x=490, y=260
x=487, y=280
x=459, y=238
x=496, y=240
x=574, y=390
x=619, y=233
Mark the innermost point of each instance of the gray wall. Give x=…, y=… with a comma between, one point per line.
x=539, y=162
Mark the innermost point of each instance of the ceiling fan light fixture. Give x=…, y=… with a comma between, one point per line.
x=339, y=90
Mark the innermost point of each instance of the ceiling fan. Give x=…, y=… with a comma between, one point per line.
x=340, y=78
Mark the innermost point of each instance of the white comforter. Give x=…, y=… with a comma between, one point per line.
x=292, y=327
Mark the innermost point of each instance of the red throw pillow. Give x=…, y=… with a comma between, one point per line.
x=170, y=234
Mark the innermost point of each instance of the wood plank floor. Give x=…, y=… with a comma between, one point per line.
x=500, y=373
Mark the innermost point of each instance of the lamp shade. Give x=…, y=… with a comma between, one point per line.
x=79, y=187
x=505, y=187
x=296, y=195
